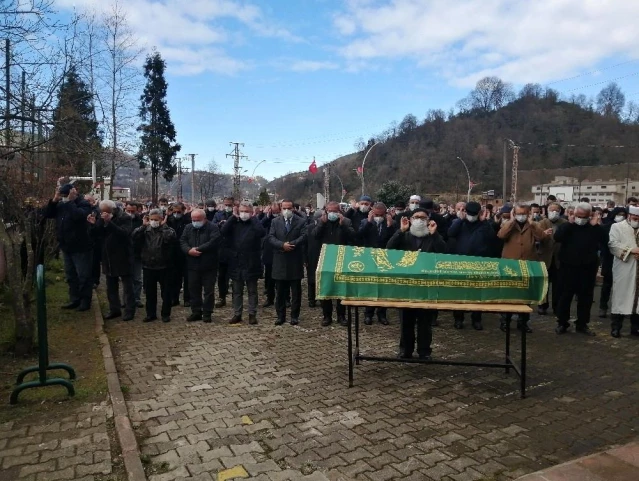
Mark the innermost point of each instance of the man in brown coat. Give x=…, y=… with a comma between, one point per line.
x=521, y=238
x=549, y=250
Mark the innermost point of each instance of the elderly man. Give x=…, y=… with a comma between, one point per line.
x=333, y=228
x=615, y=215
x=313, y=250
x=155, y=240
x=200, y=242
x=417, y=234
x=549, y=255
x=474, y=236
x=114, y=228
x=521, y=237
x=375, y=232
x=578, y=264
x=624, y=245
x=243, y=233
x=287, y=237
x=70, y=212
x=96, y=268
x=359, y=214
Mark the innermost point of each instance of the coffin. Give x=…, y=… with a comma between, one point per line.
x=358, y=273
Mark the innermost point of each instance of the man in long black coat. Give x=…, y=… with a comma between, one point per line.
x=177, y=221
x=243, y=233
x=267, y=255
x=288, y=238
x=333, y=228
x=113, y=228
x=313, y=250
x=417, y=234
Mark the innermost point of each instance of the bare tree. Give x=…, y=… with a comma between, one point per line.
x=208, y=181
x=611, y=100
x=490, y=93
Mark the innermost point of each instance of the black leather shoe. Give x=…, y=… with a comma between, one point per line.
x=70, y=305
x=383, y=321
x=295, y=322
x=175, y=303
x=342, y=321
x=425, y=357
x=207, y=318
x=221, y=302
x=84, y=306
x=459, y=324
x=312, y=303
x=585, y=330
x=235, y=320
x=521, y=325
x=166, y=319
x=127, y=317
x=327, y=321
x=615, y=333
x=368, y=321
x=502, y=326
x=150, y=319
x=252, y=319
x=562, y=328
x=112, y=315
x=268, y=304
x=279, y=322
x=541, y=311
x=196, y=316
x=477, y=326
x=405, y=355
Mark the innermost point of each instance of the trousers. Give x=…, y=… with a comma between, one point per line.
x=78, y=269
x=179, y=277
x=113, y=294
x=137, y=279
x=223, y=279
x=283, y=289
x=153, y=277
x=554, y=289
x=202, y=287
x=422, y=320
x=238, y=296
x=327, y=308
x=269, y=283
x=580, y=282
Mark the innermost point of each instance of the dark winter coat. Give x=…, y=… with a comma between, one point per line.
x=220, y=218
x=356, y=217
x=332, y=232
x=579, y=244
x=207, y=240
x=313, y=249
x=136, y=221
x=370, y=234
x=406, y=241
x=156, y=245
x=245, y=241
x=288, y=266
x=117, y=245
x=474, y=238
x=267, y=248
x=178, y=225
x=72, y=228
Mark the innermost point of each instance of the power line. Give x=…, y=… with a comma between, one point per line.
x=591, y=72
x=604, y=81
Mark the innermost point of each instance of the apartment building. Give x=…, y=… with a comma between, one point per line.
x=570, y=190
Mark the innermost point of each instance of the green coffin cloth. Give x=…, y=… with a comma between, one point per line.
x=360, y=273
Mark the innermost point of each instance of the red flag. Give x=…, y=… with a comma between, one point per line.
x=472, y=184
x=313, y=167
x=360, y=170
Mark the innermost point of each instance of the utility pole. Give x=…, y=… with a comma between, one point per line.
x=236, y=155
x=192, y=178
x=327, y=182
x=513, y=187
x=503, y=186
x=179, y=192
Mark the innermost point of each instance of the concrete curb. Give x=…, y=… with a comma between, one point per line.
x=123, y=427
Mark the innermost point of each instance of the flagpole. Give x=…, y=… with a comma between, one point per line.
x=469, y=181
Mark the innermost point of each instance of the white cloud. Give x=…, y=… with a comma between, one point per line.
x=312, y=66
x=518, y=40
x=189, y=33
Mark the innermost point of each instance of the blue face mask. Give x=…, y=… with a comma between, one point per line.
x=333, y=216
x=177, y=215
x=197, y=224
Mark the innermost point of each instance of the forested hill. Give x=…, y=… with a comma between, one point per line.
x=551, y=133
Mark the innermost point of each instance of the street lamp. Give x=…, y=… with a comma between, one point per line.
x=260, y=162
x=470, y=185
x=363, y=162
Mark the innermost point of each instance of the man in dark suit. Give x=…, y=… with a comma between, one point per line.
x=177, y=221
x=334, y=228
x=417, y=234
x=267, y=255
x=376, y=231
x=287, y=236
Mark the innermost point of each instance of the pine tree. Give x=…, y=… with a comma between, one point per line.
x=157, y=143
x=75, y=139
x=264, y=198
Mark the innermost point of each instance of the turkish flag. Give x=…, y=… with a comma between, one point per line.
x=313, y=167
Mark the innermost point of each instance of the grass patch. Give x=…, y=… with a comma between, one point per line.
x=72, y=340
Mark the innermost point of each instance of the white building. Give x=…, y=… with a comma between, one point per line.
x=569, y=190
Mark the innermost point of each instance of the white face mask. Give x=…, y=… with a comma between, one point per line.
x=580, y=221
x=379, y=220
x=413, y=206
x=364, y=209
x=418, y=228
x=245, y=216
x=64, y=199
x=228, y=208
x=154, y=224
x=634, y=224
x=287, y=213
x=553, y=215
x=211, y=209
x=619, y=218
x=521, y=218
x=399, y=211
x=471, y=218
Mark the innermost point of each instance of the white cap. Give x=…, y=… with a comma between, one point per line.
x=634, y=210
x=415, y=197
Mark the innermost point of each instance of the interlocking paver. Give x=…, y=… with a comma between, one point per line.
x=456, y=423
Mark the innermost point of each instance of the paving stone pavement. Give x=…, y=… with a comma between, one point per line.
x=273, y=403
x=74, y=447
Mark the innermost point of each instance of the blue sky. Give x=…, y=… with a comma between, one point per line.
x=294, y=79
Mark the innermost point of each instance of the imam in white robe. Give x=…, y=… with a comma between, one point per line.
x=623, y=238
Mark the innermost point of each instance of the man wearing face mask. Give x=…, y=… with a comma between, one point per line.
x=579, y=262
x=313, y=250
x=417, y=234
x=156, y=240
x=200, y=242
x=132, y=209
x=549, y=255
x=223, y=275
x=474, y=236
x=287, y=237
x=361, y=213
x=244, y=234
x=114, y=228
x=615, y=216
x=335, y=229
x=520, y=237
x=400, y=208
x=624, y=245
x=267, y=254
x=163, y=203
x=70, y=212
x=178, y=221
x=375, y=232
x=210, y=209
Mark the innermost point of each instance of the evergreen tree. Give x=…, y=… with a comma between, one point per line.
x=393, y=191
x=264, y=198
x=157, y=143
x=75, y=139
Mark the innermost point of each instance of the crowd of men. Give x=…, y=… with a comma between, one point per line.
x=189, y=250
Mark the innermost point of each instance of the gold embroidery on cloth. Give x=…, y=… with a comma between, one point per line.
x=381, y=260
x=409, y=259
